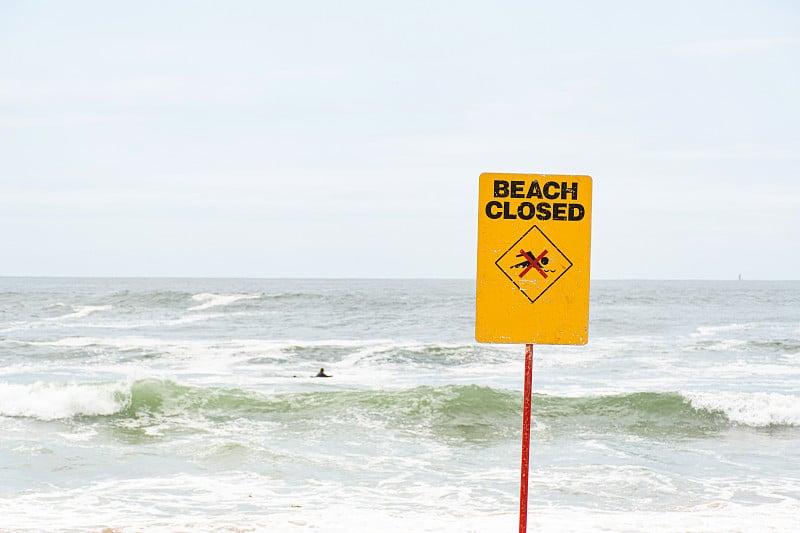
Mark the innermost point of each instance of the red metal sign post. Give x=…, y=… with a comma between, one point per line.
x=526, y=440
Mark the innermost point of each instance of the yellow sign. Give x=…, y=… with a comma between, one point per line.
x=534, y=242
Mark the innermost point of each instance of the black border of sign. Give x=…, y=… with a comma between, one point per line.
x=534, y=227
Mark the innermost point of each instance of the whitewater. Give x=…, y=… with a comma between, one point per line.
x=191, y=405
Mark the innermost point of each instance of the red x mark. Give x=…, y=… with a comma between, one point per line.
x=533, y=263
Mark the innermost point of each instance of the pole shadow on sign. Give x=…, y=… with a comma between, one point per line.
x=532, y=285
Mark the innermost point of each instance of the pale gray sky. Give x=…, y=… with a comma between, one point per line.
x=345, y=139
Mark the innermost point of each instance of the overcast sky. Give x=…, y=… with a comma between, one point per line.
x=345, y=139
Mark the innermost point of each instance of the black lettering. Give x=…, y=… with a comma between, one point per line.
x=534, y=191
x=551, y=195
x=576, y=212
x=516, y=189
x=540, y=211
x=526, y=210
x=544, y=211
x=493, y=214
x=573, y=191
x=500, y=189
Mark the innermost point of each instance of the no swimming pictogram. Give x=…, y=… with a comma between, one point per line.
x=533, y=263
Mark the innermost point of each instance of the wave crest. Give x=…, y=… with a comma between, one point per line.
x=469, y=412
x=53, y=401
x=755, y=409
x=207, y=300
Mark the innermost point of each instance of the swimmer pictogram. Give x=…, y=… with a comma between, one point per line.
x=533, y=272
x=533, y=262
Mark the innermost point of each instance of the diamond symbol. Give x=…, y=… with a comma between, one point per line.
x=533, y=263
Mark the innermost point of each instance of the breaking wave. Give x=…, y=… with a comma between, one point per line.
x=459, y=411
x=207, y=300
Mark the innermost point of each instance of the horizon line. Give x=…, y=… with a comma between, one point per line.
x=348, y=278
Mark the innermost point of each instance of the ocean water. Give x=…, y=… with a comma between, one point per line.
x=189, y=405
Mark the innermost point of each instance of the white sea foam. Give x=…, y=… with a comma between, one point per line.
x=79, y=434
x=218, y=358
x=206, y=300
x=15, y=325
x=80, y=311
x=757, y=409
x=141, y=324
x=54, y=322
x=708, y=331
x=244, y=502
x=711, y=516
x=746, y=368
x=122, y=343
x=726, y=345
x=52, y=401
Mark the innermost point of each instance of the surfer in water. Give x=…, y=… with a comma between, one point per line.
x=322, y=374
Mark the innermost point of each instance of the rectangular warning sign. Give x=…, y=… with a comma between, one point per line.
x=534, y=243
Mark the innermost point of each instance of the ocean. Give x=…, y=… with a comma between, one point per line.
x=191, y=405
